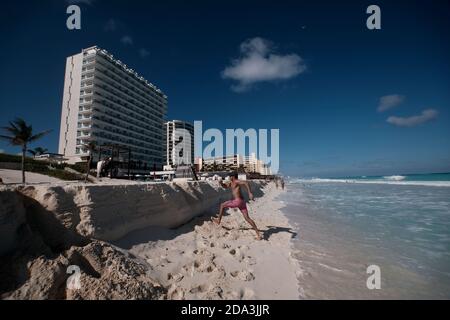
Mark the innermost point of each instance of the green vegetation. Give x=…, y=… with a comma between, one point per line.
x=79, y=167
x=44, y=167
x=37, y=151
x=13, y=158
x=19, y=133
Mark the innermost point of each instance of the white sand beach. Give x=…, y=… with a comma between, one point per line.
x=201, y=260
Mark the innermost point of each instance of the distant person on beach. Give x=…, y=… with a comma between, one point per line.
x=100, y=168
x=237, y=202
x=282, y=184
x=106, y=169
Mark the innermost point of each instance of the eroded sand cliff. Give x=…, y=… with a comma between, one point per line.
x=46, y=228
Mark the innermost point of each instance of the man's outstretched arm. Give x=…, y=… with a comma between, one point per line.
x=247, y=186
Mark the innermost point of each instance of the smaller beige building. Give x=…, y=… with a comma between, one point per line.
x=250, y=163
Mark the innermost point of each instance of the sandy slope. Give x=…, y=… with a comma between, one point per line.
x=203, y=261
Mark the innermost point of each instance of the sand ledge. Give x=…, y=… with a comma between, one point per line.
x=203, y=261
x=50, y=227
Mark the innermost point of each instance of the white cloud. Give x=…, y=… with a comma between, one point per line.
x=2, y=151
x=127, y=40
x=88, y=2
x=259, y=63
x=426, y=115
x=390, y=101
x=144, y=53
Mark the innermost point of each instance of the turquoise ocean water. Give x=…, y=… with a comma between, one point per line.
x=400, y=223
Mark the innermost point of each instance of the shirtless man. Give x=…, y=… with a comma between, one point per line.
x=237, y=202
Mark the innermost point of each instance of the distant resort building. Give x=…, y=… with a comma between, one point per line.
x=180, y=142
x=249, y=164
x=50, y=157
x=107, y=102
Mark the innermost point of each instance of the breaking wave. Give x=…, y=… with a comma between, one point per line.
x=394, y=180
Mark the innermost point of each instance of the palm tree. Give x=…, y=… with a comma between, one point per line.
x=21, y=134
x=37, y=151
x=91, y=147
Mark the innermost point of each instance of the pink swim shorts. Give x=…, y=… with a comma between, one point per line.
x=236, y=203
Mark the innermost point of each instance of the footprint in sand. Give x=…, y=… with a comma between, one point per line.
x=249, y=260
x=202, y=244
x=247, y=294
x=215, y=292
x=188, y=269
x=177, y=277
x=237, y=254
x=244, y=248
x=242, y=294
x=243, y=275
x=220, y=272
x=175, y=293
x=206, y=265
x=231, y=295
x=198, y=289
x=165, y=261
x=234, y=236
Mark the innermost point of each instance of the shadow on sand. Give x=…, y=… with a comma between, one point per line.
x=152, y=234
x=273, y=230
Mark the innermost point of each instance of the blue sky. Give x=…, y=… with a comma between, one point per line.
x=310, y=68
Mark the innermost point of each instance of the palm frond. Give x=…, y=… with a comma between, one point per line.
x=40, y=150
x=11, y=130
x=20, y=123
x=20, y=133
x=13, y=126
x=38, y=136
x=6, y=138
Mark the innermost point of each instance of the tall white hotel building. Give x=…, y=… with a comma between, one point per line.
x=107, y=102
